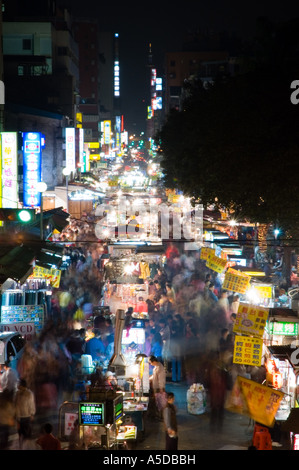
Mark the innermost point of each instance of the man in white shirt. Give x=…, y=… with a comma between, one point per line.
x=25, y=411
x=158, y=382
x=9, y=379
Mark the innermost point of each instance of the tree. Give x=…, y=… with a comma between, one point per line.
x=236, y=143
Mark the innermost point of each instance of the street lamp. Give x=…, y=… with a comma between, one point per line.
x=41, y=187
x=67, y=172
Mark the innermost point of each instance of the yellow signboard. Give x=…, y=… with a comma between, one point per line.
x=52, y=275
x=255, y=400
x=251, y=319
x=215, y=263
x=235, y=281
x=264, y=292
x=205, y=252
x=248, y=351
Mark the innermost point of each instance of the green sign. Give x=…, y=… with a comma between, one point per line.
x=283, y=328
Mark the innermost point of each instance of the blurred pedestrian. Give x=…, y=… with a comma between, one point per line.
x=217, y=386
x=47, y=441
x=165, y=334
x=156, y=345
x=95, y=347
x=7, y=418
x=176, y=344
x=25, y=411
x=157, y=383
x=75, y=441
x=170, y=423
x=9, y=380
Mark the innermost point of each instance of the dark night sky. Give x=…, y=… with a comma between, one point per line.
x=164, y=24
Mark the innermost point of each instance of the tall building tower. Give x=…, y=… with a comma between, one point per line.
x=116, y=97
x=155, y=106
x=110, y=94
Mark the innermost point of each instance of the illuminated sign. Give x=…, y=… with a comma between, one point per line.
x=9, y=170
x=107, y=132
x=159, y=84
x=283, y=328
x=251, y=319
x=153, y=77
x=32, y=164
x=91, y=414
x=79, y=120
x=116, y=78
x=248, y=351
x=81, y=150
x=70, y=155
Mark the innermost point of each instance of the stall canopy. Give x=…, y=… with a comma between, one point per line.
x=54, y=219
x=16, y=263
x=284, y=352
x=19, y=252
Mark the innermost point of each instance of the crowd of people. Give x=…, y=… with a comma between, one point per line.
x=189, y=327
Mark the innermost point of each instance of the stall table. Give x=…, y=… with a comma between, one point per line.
x=135, y=409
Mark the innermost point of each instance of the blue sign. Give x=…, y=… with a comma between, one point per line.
x=32, y=165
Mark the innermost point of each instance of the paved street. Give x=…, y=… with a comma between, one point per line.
x=194, y=430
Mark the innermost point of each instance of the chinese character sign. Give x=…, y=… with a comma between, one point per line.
x=9, y=170
x=205, y=252
x=235, y=281
x=215, y=263
x=52, y=275
x=283, y=328
x=70, y=150
x=255, y=400
x=264, y=292
x=251, y=319
x=248, y=351
x=32, y=165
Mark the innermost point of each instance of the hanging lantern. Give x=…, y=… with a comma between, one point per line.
x=270, y=366
x=277, y=380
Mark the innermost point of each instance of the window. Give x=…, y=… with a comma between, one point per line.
x=18, y=342
x=10, y=350
x=26, y=44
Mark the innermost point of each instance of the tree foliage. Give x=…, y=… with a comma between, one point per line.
x=236, y=143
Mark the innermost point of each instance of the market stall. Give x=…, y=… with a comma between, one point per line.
x=100, y=420
x=131, y=366
x=281, y=335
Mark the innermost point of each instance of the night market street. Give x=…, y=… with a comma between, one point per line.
x=149, y=228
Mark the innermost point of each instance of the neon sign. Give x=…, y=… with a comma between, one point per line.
x=9, y=169
x=32, y=165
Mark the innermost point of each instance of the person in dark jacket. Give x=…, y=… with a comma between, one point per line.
x=170, y=422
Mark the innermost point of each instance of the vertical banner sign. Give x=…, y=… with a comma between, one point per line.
x=107, y=132
x=70, y=155
x=32, y=168
x=205, y=252
x=215, y=263
x=248, y=351
x=251, y=320
x=9, y=170
x=254, y=400
x=235, y=281
x=81, y=150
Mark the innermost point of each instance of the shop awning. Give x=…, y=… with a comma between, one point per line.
x=16, y=264
x=283, y=352
x=55, y=218
x=17, y=259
